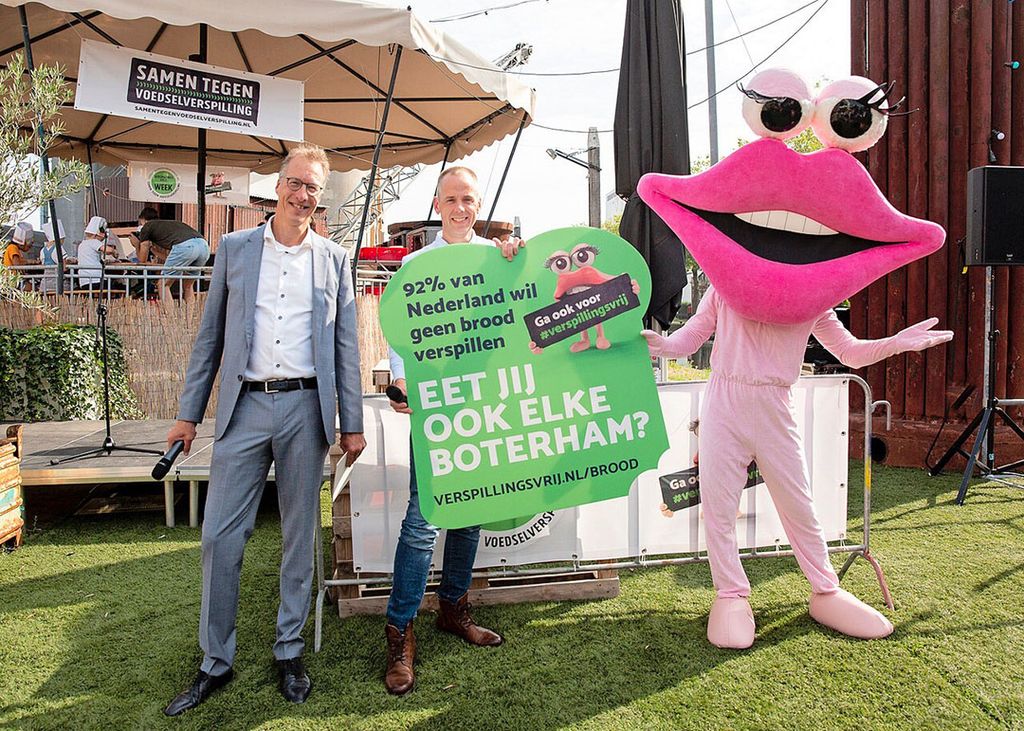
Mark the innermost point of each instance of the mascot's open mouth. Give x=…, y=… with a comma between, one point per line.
x=784, y=237
x=787, y=268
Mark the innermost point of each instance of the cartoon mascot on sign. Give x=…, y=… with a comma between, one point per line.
x=783, y=238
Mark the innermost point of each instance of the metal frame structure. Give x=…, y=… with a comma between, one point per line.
x=862, y=549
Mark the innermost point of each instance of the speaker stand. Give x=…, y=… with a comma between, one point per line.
x=985, y=421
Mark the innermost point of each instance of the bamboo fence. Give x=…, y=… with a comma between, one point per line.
x=158, y=337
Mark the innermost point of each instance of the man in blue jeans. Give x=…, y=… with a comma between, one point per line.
x=457, y=202
x=184, y=245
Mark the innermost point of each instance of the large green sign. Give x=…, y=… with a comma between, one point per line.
x=530, y=384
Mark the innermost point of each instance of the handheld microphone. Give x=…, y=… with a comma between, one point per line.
x=165, y=462
x=395, y=394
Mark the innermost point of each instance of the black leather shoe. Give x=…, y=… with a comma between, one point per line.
x=292, y=680
x=198, y=692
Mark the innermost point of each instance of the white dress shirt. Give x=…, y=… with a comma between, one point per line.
x=397, y=365
x=282, y=343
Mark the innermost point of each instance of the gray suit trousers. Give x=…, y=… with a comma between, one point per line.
x=285, y=428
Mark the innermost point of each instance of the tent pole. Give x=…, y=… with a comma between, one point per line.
x=201, y=147
x=444, y=164
x=92, y=182
x=501, y=184
x=373, y=166
x=44, y=160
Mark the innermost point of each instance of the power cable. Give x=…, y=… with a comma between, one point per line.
x=763, y=60
x=752, y=30
x=740, y=36
x=616, y=69
x=753, y=68
x=483, y=11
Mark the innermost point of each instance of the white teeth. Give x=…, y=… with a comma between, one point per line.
x=785, y=221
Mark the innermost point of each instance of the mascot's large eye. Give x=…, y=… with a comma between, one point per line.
x=558, y=263
x=853, y=113
x=777, y=104
x=584, y=255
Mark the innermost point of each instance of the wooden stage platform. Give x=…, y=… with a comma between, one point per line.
x=49, y=440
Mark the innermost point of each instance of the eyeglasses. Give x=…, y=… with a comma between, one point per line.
x=296, y=184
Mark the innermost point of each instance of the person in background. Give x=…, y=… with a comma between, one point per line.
x=19, y=246
x=15, y=253
x=93, y=246
x=186, y=246
x=48, y=258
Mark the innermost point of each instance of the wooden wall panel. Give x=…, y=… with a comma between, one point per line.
x=858, y=66
x=980, y=114
x=959, y=127
x=896, y=190
x=877, y=164
x=916, y=123
x=939, y=270
x=950, y=58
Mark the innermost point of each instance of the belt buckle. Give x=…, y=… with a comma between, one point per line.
x=268, y=389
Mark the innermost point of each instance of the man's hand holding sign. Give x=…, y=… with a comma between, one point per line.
x=504, y=424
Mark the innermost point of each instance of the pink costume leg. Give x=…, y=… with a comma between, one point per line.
x=780, y=457
x=725, y=451
x=726, y=448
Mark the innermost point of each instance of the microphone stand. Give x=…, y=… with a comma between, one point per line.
x=109, y=447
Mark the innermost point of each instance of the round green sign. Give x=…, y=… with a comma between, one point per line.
x=163, y=182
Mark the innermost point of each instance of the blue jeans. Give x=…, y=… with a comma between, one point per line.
x=188, y=253
x=413, y=556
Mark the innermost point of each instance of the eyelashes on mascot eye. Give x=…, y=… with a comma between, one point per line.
x=850, y=118
x=779, y=115
x=850, y=114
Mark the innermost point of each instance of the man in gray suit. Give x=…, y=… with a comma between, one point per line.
x=280, y=323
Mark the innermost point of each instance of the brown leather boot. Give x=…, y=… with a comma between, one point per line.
x=455, y=618
x=399, y=677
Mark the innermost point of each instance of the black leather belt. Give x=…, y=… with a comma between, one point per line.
x=285, y=384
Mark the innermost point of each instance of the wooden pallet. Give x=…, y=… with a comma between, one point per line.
x=12, y=509
x=495, y=589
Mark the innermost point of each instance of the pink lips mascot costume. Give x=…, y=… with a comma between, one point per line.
x=783, y=237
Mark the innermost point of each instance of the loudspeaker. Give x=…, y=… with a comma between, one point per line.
x=995, y=210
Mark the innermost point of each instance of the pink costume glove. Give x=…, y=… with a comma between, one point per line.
x=686, y=340
x=920, y=336
x=860, y=353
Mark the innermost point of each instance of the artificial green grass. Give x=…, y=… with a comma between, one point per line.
x=98, y=630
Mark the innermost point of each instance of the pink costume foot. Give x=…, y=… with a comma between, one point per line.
x=580, y=345
x=731, y=623
x=845, y=613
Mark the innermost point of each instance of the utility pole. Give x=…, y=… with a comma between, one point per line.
x=594, y=176
x=709, y=41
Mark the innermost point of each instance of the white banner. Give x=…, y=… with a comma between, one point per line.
x=173, y=183
x=129, y=83
x=637, y=525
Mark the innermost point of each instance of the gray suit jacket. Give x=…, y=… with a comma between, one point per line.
x=229, y=320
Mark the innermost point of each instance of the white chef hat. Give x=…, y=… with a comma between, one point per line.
x=48, y=230
x=22, y=232
x=96, y=225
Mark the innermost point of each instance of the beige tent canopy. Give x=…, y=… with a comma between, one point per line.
x=448, y=102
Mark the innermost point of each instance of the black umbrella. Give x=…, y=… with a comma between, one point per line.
x=651, y=137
